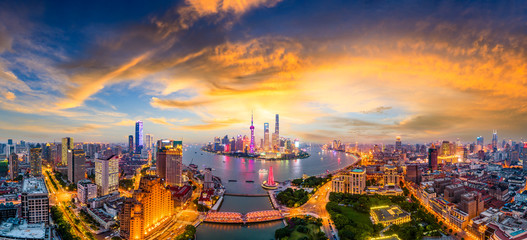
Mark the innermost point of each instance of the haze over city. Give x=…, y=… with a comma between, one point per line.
x=357, y=71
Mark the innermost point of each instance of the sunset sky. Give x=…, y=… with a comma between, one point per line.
x=364, y=71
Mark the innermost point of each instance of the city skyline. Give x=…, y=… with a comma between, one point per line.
x=366, y=72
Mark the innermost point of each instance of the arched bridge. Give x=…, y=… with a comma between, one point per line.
x=235, y=217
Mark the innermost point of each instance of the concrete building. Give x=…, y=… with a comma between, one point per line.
x=453, y=192
x=86, y=190
x=76, y=168
x=8, y=210
x=391, y=176
x=107, y=175
x=174, y=166
x=35, y=162
x=18, y=229
x=353, y=182
x=413, y=173
x=472, y=203
x=34, y=200
x=13, y=166
x=152, y=204
x=207, y=179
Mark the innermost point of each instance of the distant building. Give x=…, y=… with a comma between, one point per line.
x=130, y=143
x=67, y=144
x=398, y=144
x=472, y=203
x=13, y=166
x=353, y=182
x=150, y=205
x=266, y=137
x=207, y=179
x=138, y=136
x=432, y=158
x=76, y=168
x=107, y=175
x=391, y=176
x=174, y=166
x=35, y=201
x=35, y=162
x=86, y=190
x=413, y=173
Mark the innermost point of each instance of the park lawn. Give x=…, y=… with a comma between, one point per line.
x=313, y=229
x=356, y=216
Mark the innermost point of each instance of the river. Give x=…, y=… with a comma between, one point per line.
x=240, y=170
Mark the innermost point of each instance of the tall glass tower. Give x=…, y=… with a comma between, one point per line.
x=252, y=135
x=138, y=136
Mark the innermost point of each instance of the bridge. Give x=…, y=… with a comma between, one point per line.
x=245, y=195
x=238, y=218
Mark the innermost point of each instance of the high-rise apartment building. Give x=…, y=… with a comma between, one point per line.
x=174, y=165
x=76, y=168
x=494, y=141
x=149, y=141
x=131, y=144
x=266, y=137
x=480, y=141
x=13, y=166
x=139, y=137
x=35, y=162
x=207, y=179
x=353, y=182
x=67, y=144
x=151, y=204
x=35, y=201
x=107, y=175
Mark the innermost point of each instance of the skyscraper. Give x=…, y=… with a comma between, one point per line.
x=35, y=162
x=276, y=134
x=494, y=140
x=67, y=144
x=266, y=136
x=432, y=158
x=13, y=166
x=251, y=147
x=138, y=136
x=398, y=144
x=76, y=169
x=174, y=164
x=151, y=204
x=479, y=141
x=131, y=144
x=107, y=175
x=149, y=141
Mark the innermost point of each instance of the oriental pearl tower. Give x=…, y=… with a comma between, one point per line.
x=252, y=135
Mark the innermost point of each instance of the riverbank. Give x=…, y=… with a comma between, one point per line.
x=300, y=155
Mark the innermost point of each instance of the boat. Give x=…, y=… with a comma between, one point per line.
x=233, y=180
x=249, y=181
x=262, y=171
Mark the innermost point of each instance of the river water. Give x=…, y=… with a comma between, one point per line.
x=241, y=170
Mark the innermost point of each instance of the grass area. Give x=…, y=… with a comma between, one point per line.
x=300, y=229
x=358, y=217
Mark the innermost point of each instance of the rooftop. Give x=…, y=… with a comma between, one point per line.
x=389, y=213
x=34, y=186
x=15, y=228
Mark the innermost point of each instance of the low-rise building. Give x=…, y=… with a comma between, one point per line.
x=18, y=229
x=86, y=190
x=353, y=182
x=387, y=215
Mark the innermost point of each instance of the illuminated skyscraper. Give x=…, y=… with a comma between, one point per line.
x=494, y=140
x=76, y=161
x=251, y=147
x=35, y=162
x=131, y=144
x=138, y=136
x=266, y=136
x=151, y=204
x=276, y=134
x=67, y=144
x=107, y=175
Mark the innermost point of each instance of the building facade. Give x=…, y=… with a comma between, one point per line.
x=35, y=162
x=35, y=201
x=76, y=168
x=107, y=175
x=353, y=182
x=86, y=190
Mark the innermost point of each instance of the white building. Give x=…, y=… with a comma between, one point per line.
x=107, y=175
x=15, y=229
x=35, y=201
x=86, y=190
